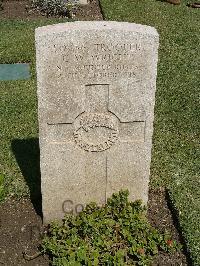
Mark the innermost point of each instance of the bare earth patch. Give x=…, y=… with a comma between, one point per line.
x=161, y=217
x=20, y=231
x=20, y=9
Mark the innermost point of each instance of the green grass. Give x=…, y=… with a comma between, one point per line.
x=18, y=110
x=176, y=153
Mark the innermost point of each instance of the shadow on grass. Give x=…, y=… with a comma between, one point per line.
x=27, y=154
x=175, y=217
x=101, y=9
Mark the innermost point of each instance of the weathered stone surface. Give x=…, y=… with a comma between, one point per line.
x=81, y=2
x=96, y=94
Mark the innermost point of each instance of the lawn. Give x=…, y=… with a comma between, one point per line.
x=176, y=153
x=176, y=143
x=18, y=110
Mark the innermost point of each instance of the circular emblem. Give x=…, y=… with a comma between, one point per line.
x=96, y=132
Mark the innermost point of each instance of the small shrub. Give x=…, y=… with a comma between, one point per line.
x=116, y=234
x=51, y=7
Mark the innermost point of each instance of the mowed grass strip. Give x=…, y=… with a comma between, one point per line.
x=18, y=110
x=176, y=153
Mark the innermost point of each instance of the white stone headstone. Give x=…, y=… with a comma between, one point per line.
x=83, y=2
x=79, y=2
x=96, y=95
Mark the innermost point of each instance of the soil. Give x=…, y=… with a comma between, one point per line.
x=21, y=10
x=17, y=10
x=162, y=218
x=20, y=224
x=21, y=231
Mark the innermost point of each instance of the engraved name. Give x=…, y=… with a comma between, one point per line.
x=98, y=60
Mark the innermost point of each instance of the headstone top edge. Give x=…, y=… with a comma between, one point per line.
x=96, y=25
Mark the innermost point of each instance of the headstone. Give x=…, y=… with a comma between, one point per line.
x=83, y=2
x=14, y=71
x=96, y=92
x=78, y=2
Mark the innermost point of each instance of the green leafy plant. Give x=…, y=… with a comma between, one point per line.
x=51, y=7
x=115, y=234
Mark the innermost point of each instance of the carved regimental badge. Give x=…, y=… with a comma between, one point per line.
x=96, y=132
